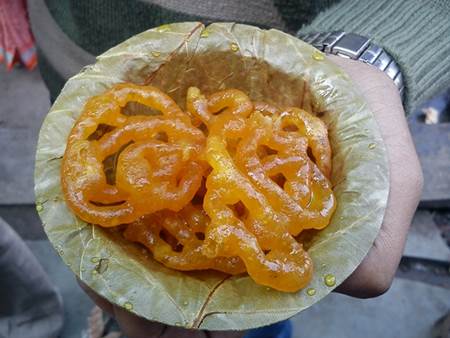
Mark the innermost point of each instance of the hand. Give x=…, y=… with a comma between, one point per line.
x=374, y=275
x=136, y=327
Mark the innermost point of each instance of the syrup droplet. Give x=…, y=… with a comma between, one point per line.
x=128, y=306
x=318, y=56
x=372, y=146
x=39, y=207
x=234, y=47
x=330, y=280
x=311, y=292
x=204, y=34
x=156, y=54
x=163, y=28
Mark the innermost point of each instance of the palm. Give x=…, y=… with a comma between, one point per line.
x=374, y=276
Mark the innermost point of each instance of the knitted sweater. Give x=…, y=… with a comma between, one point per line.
x=417, y=33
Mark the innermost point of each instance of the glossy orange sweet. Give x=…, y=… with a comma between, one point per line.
x=226, y=185
x=166, y=173
x=176, y=239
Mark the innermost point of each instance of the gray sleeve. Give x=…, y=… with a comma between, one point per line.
x=30, y=305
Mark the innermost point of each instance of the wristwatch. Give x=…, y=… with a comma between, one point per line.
x=357, y=47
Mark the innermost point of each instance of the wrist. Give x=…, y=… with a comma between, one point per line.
x=360, y=48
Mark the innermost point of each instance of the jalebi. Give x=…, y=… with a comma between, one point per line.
x=226, y=185
x=166, y=173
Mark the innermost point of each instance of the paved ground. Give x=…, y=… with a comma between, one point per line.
x=24, y=104
x=409, y=309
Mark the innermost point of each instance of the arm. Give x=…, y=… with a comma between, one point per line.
x=415, y=33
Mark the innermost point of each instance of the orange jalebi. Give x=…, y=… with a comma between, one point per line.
x=166, y=173
x=226, y=185
x=176, y=240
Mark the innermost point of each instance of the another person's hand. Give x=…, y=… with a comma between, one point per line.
x=136, y=327
x=375, y=274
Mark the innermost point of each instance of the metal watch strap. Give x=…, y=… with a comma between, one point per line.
x=357, y=47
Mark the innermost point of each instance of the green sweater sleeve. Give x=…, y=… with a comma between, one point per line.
x=415, y=32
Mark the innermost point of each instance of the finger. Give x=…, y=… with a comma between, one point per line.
x=97, y=299
x=137, y=327
x=226, y=334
